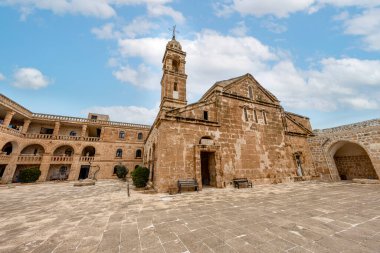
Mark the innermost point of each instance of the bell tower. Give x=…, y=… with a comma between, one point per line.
x=173, y=81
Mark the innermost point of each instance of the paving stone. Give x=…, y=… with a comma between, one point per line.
x=296, y=217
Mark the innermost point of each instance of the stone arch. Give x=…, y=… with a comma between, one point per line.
x=206, y=140
x=64, y=150
x=9, y=147
x=88, y=151
x=33, y=149
x=351, y=160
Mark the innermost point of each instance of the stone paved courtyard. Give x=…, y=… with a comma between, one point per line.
x=297, y=217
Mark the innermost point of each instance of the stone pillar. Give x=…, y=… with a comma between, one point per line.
x=56, y=128
x=75, y=168
x=102, y=133
x=84, y=130
x=8, y=117
x=26, y=126
x=10, y=169
x=44, y=167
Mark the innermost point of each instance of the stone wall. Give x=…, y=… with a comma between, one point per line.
x=325, y=143
x=351, y=167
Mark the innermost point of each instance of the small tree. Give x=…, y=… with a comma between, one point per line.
x=121, y=171
x=140, y=176
x=29, y=175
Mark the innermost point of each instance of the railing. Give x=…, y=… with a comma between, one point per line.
x=29, y=158
x=61, y=159
x=87, y=121
x=68, y=138
x=5, y=158
x=86, y=159
x=12, y=104
x=10, y=130
x=91, y=139
x=39, y=136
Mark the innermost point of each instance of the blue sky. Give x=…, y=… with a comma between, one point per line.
x=69, y=57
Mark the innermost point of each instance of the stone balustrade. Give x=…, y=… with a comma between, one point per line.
x=91, y=139
x=61, y=159
x=13, y=105
x=39, y=136
x=5, y=158
x=9, y=130
x=68, y=138
x=26, y=158
x=86, y=121
x=86, y=159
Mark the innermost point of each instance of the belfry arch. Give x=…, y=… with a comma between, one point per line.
x=351, y=161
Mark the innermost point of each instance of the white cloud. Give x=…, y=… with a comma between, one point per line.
x=95, y=8
x=130, y=114
x=29, y=78
x=284, y=8
x=332, y=84
x=240, y=29
x=2, y=77
x=106, y=32
x=273, y=26
x=143, y=76
x=139, y=26
x=367, y=25
x=157, y=10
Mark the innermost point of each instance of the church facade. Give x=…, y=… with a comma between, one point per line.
x=237, y=129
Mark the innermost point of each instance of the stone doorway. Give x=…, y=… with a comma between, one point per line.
x=84, y=170
x=208, y=169
x=352, y=161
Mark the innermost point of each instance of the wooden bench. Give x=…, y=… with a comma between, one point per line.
x=238, y=181
x=187, y=183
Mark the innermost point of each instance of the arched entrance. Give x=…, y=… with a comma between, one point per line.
x=7, y=148
x=352, y=161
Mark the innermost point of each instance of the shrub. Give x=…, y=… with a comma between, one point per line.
x=29, y=175
x=140, y=176
x=121, y=171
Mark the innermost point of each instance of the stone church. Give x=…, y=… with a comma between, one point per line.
x=237, y=129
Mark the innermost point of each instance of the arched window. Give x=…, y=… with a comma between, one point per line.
x=250, y=92
x=140, y=136
x=68, y=151
x=175, y=88
x=119, y=152
x=245, y=114
x=121, y=135
x=138, y=153
x=175, y=65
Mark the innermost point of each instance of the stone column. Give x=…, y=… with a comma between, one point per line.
x=75, y=168
x=10, y=169
x=84, y=130
x=44, y=167
x=26, y=126
x=8, y=117
x=102, y=133
x=56, y=128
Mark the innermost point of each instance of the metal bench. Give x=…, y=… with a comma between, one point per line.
x=238, y=181
x=187, y=183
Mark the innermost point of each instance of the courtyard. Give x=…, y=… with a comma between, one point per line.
x=294, y=217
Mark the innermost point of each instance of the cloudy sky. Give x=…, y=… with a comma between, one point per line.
x=321, y=58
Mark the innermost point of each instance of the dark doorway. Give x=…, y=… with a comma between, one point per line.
x=2, y=169
x=84, y=170
x=208, y=170
x=7, y=149
x=352, y=161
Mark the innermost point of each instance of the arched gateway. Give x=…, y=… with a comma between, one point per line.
x=352, y=161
